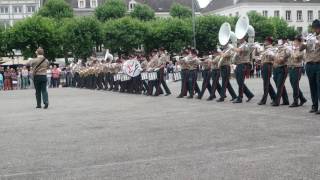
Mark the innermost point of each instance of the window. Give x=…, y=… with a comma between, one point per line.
x=318, y=14
x=299, y=29
x=237, y=13
x=132, y=4
x=93, y=3
x=4, y=9
x=276, y=13
x=299, y=15
x=17, y=9
x=31, y=9
x=265, y=13
x=310, y=15
x=81, y=4
x=230, y=14
x=288, y=15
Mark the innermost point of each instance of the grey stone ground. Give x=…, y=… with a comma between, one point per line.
x=103, y=135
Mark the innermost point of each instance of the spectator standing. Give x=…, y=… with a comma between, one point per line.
x=69, y=76
x=63, y=77
x=55, y=76
x=14, y=78
x=7, y=80
x=1, y=81
x=19, y=78
x=25, y=75
x=31, y=84
x=49, y=77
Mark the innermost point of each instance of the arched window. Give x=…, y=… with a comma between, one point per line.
x=81, y=3
x=93, y=3
x=132, y=4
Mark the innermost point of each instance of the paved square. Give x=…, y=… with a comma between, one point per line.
x=106, y=135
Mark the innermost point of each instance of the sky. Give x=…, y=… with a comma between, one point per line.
x=203, y=3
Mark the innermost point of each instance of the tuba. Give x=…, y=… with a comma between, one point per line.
x=225, y=34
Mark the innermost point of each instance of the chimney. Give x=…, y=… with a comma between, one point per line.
x=235, y=2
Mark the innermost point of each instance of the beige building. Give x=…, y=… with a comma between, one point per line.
x=14, y=10
x=298, y=13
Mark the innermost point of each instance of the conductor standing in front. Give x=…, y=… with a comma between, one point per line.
x=40, y=65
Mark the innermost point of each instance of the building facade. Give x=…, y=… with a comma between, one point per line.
x=161, y=7
x=14, y=10
x=298, y=13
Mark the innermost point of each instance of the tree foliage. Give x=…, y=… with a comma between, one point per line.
x=111, y=9
x=33, y=32
x=172, y=34
x=180, y=11
x=57, y=9
x=123, y=35
x=143, y=12
x=207, y=28
x=80, y=35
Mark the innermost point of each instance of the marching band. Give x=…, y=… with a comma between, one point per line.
x=277, y=61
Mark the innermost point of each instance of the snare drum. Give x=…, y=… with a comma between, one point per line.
x=177, y=76
x=125, y=77
x=117, y=77
x=152, y=76
x=144, y=76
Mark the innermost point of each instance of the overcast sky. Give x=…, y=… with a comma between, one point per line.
x=203, y=3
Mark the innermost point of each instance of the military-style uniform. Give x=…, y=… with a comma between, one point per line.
x=116, y=69
x=152, y=64
x=162, y=61
x=215, y=74
x=313, y=72
x=225, y=71
x=144, y=67
x=280, y=74
x=193, y=65
x=243, y=65
x=295, y=70
x=206, y=74
x=184, y=76
x=267, y=59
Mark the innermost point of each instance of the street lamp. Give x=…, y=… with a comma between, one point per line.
x=193, y=25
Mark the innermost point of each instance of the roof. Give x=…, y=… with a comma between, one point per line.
x=157, y=5
x=219, y=4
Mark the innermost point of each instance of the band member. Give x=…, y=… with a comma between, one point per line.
x=193, y=65
x=136, y=81
x=162, y=61
x=280, y=73
x=215, y=74
x=267, y=58
x=152, y=65
x=206, y=74
x=144, y=64
x=313, y=66
x=295, y=70
x=225, y=71
x=184, y=73
x=243, y=65
x=116, y=69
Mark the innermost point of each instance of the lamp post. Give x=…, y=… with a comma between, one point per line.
x=193, y=25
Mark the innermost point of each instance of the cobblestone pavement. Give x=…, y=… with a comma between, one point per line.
x=89, y=134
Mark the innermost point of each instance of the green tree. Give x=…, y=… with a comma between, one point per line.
x=33, y=32
x=123, y=35
x=207, y=28
x=172, y=34
x=180, y=11
x=111, y=9
x=143, y=12
x=56, y=9
x=262, y=25
x=282, y=29
x=79, y=36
